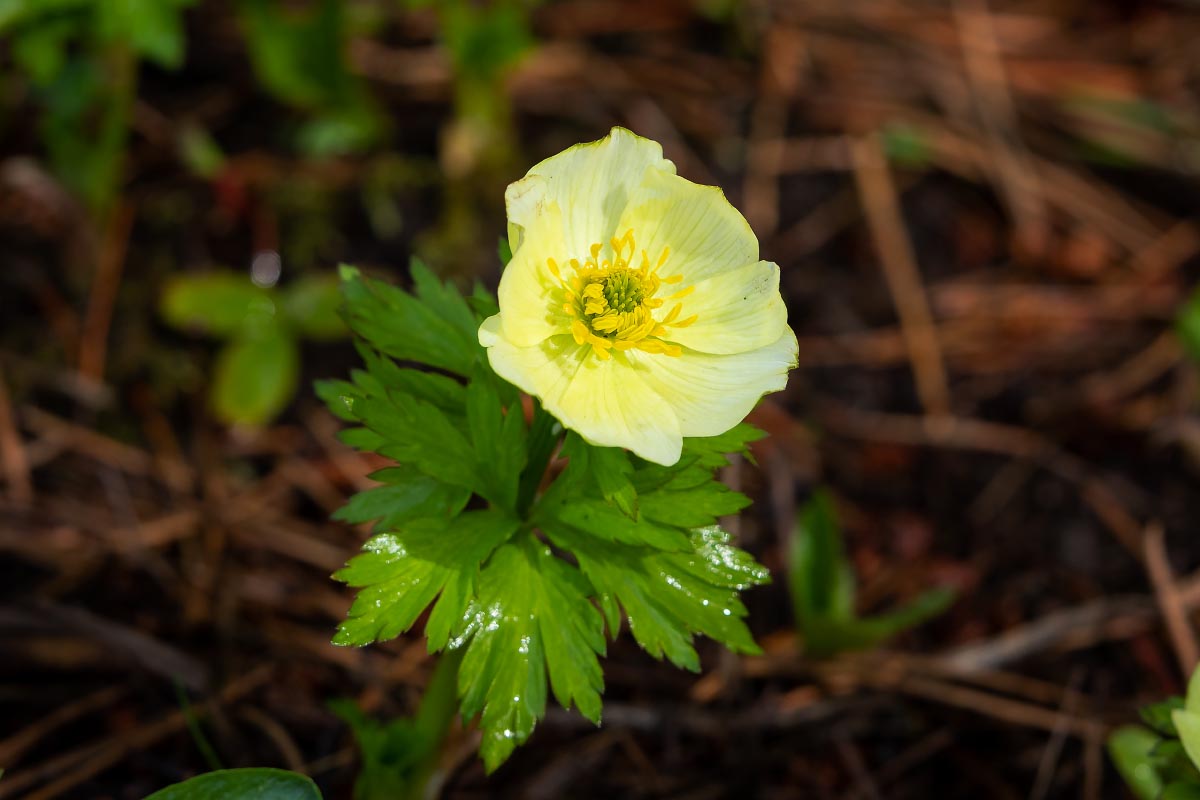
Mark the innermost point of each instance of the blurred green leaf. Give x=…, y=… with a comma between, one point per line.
x=906, y=145
x=484, y=38
x=1182, y=790
x=311, y=305
x=200, y=152
x=255, y=376
x=216, y=303
x=41, y=50
x=1187, y=325
x=153, y=27
x=1188, y=725
x=297, y=54
x=339, y=132
x=1158, y=715
x=821, y=582
x=399, y=757
x=242, y=784
x=1130, y=748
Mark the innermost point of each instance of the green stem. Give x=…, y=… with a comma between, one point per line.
x=435, y=715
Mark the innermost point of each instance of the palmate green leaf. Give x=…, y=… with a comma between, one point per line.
x=498, y=435
x=668, y=597
x=415, y=432
x=435, y=326
x=242, y=784
x=399, y=574
x=609, y=523
x=696, y=507
x=714, y=451
x=406, y=495
x=383, y=374
x=532, y=616
x=608, y=468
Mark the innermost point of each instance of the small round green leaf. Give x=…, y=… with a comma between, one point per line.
x=242, y=784
x=1130, y=748
x=217, y=303
x=255, y=377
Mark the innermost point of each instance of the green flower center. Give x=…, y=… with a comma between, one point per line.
x=614, y=304
x=624, y=290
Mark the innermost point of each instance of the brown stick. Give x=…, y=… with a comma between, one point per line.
x=101, y=757
x=93, y=345
x=899, y=262
x=1170, y=600
x=13, y=457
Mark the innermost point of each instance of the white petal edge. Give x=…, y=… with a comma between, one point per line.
x=592, y=182
x=530, y=308
x=706, y=235
x=736, y=311
x=712, y=393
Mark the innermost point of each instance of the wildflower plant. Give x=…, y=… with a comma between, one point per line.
x=640, y=322
x=1162, y=758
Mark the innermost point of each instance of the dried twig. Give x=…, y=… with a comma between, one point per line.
x=903, y=277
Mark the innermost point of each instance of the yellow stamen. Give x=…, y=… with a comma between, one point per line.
x=613, y=304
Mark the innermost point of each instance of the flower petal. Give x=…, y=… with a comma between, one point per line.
x=592, y=182
x=608, y=404
x=604, y=401
x=705, y=234
x=712, y=393
x=542, y=370
x=736, y=311
x=531, y=308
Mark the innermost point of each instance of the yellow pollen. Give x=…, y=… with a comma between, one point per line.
x=613, y=304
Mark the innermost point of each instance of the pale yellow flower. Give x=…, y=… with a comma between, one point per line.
x=635, y=305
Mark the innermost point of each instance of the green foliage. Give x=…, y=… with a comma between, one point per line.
x=906, y=145
x=1187, y=325
x=1132, y=750
x=80, y=58
x=242, y=784
x=257, y=371
x=1163, y=763
x=525, y=584
x=821, y=582
x=299, y=56
x=400, y=757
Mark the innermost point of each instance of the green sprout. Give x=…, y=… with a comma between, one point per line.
x=821, y=581
x=1161, y=760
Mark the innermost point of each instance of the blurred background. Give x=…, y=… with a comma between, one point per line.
x=983, y=213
